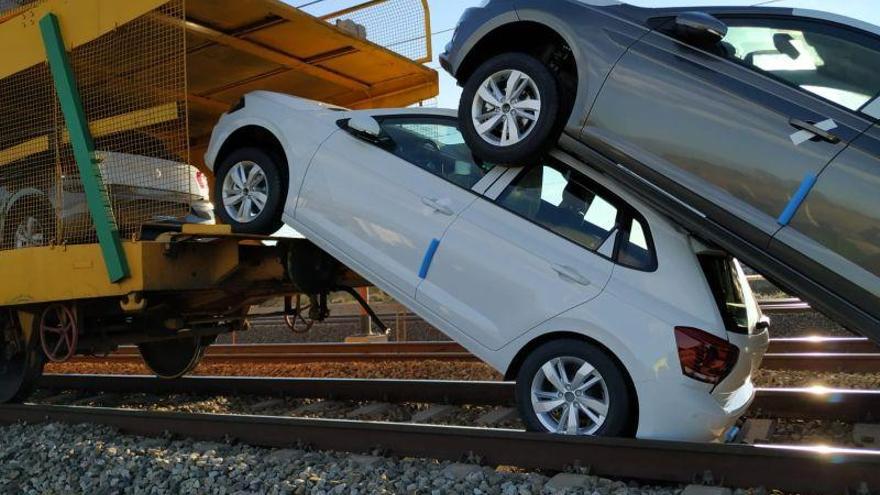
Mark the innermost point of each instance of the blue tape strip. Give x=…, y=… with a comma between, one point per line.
x=429, y=257
x=797, y=200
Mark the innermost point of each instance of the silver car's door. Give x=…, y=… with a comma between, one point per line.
x=734, y=129
x=835, y=233
x=542, y=247
x=380, y=206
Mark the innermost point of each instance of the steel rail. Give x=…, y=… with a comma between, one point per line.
x=852, y=355
x=815, y=403
x=830, y=362
x=789, y=468
x=315, y=352
x=850, y=345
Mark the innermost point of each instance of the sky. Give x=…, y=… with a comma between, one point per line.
x=445, y=15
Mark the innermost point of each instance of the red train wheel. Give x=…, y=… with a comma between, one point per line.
x=58, y=333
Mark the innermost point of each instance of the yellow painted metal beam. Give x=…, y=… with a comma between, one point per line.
x=81, y=21
x=24, y=150
x=68, y=273
x=137, y=119
x=272, y=55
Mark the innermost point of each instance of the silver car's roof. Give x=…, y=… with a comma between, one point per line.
x=860, y=14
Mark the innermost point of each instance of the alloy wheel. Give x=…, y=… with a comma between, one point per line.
x=570, y=397
x=245, y=191
x=506, y=108
x=29, y=233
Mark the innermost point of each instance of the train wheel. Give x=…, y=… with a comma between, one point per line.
x=172, y=359
x=21, y=362
x=59, y=333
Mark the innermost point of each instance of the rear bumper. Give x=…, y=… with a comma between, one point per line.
x=689, y=412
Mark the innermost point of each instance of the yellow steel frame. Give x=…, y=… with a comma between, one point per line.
x=137, y=119
x=429, y=56
x=81, y=21
x=66, y=273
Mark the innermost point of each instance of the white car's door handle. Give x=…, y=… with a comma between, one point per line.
x=438, y=206
x=570, y=274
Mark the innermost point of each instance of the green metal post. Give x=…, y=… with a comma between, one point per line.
x=84, y=150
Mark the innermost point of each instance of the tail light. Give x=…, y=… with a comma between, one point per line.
x=201, y=180
x=703, y=356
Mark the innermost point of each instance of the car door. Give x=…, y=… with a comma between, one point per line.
x=381, y=204
x=835, y=234
x=727, y=128
x=525, y=253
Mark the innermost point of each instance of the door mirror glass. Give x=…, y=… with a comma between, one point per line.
x=699, y=28
x=365, y=126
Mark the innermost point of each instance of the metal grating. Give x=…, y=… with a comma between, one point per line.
x=12, y=7
x=402, y=26
x=133, y=87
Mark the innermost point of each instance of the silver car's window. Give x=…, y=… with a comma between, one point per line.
x=561, y=200
x=838, y=65
x=435, y=145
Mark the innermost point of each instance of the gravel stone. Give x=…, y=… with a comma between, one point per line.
x=60, y=459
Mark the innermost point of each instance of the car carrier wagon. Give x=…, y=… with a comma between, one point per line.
x=145, y=80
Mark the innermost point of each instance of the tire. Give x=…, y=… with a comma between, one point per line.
x=29, y=226
x=537, y=136
x=258, y=221
x=612, y=391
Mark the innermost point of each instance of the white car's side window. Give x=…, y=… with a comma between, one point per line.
x=568, y=203
x=436, y=145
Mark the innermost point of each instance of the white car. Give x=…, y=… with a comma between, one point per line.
x=612, y=320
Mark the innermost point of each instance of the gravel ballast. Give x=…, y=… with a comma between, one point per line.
x=56, y=459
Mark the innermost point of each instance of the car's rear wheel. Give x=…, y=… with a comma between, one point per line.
x=249, y=192
x=571, y=387
x=510, y=109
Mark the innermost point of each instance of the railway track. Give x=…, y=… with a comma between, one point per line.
x=774, y=466
x=803, y=403
x=833, y=354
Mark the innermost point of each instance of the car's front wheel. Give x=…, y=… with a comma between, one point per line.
x=249, y=192
x=510, y=109
x=571, y=387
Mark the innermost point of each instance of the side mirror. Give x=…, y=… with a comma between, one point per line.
x=365, y=126
x=700, y=28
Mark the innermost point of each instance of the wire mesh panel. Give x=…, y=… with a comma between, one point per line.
x=399, y=25
x=132, y=82
x=12, y=7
